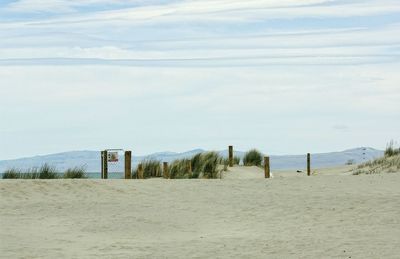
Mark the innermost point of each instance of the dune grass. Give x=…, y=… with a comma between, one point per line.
x=12, y=173
x=151, y=168
x=48, y=172
x=196, y=164
x=78, y=172
x=391, y=150
x=44, y=172
x=389, y=163
x=210, y=162
x=201, y=165
x=207, y=165
x=181, y=169
x=225, y=162
x=253, y=158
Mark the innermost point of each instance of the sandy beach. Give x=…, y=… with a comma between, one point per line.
x=330, y=215
x=243, y=129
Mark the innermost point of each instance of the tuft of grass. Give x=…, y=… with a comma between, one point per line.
x=210, y=165
x=76, y=172
x=180, y=169
x=391, y=150
x=202, y=165
x=12, y=173
x=44, y=172
x=197, y=165
x=151, y=168
x=32, y=173
x=134, y=173
x=48, y=172
x=225, y=163
x=253, y=158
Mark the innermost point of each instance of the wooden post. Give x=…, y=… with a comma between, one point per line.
x=189, y=167
x=128, y=164
x=140, y=171
x=231, y=156
x=267, y=169
x=165, y=170
x=104, y=165
x=308, y=164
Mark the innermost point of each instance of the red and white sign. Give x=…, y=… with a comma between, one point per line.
x=112, y=156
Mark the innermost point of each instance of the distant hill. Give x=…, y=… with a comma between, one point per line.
x=91, y=159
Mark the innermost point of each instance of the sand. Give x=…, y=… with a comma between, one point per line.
x=327, y=215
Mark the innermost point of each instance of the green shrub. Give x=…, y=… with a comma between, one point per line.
x=253, y=158
x=76, y=172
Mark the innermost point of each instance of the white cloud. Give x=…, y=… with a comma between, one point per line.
x=203, y=11
x=184, y=6
x=64, y=6
x=354, y=46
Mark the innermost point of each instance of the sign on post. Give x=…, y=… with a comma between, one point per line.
x=112, y=156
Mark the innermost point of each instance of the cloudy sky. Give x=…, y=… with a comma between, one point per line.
x=285, y=76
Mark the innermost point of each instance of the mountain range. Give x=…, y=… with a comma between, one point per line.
x=91, y=159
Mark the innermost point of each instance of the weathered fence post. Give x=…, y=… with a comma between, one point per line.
x=308, y=164
x=267, y=169
x=104, y=165
x=140, y=172
x=165, y=170
x=128, y=164
x=189, y=168
x=231, y=156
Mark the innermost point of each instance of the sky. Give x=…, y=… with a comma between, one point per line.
x=283, y=76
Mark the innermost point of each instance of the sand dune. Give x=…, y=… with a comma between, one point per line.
x=328, y=215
